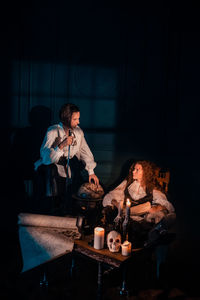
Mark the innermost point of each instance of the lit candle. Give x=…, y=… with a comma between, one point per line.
x=128, y=205
x=126, y=248
x=99, y=234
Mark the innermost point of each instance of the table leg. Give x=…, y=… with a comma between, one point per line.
x=43, y=278
x=43, y=284
x=124, y=290
x=99, y=282
x=72, y=267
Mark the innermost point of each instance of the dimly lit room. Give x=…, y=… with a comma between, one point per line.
x=100, y=150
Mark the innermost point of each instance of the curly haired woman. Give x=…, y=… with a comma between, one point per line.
x=141, y=187
x=149, y=204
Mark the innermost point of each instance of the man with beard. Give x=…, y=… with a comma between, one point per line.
x=64, y=150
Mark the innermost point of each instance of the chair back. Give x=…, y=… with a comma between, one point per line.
x=163, y=177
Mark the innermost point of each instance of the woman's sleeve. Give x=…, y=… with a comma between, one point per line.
x=48, y=153
x=160, y=198
x=117, y=194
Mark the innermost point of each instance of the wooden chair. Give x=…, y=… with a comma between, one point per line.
x=163, y=178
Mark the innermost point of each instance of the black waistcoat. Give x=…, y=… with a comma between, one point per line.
x=147, y=198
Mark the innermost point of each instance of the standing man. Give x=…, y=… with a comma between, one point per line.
x=63, y=147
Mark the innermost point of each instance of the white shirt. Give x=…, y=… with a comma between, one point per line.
x=137, y=192
x=51, y=155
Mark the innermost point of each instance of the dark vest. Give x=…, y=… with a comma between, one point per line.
x=147, y=198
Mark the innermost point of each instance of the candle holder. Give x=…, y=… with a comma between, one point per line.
x=117, y=224
x=126, y=221
x=125, y=229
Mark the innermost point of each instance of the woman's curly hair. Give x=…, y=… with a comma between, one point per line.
x=149, y=175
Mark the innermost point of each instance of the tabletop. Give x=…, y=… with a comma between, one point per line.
x=85, y=247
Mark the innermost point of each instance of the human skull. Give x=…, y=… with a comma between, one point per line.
x=114, y=241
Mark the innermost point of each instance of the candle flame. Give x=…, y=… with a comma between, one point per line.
x=128, y=202
x=126, y=243
x=99, y=229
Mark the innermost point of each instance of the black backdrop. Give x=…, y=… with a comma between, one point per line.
x=133, y=70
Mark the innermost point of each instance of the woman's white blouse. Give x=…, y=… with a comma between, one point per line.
x=137, y=192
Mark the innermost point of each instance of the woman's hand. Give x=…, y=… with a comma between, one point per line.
x=94, y=178
x=157, y=208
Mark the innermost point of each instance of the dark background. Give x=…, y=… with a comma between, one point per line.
x=134, y=71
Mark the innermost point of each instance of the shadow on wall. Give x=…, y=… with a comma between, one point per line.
x=26, y=142
x=23, y=151
x=17, y=165
x=123, y=173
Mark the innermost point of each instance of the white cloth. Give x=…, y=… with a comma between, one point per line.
x=137, y=192
x=51, y=154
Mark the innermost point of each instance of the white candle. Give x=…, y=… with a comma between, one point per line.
x=128, y=205
x=126, y=248
x=99, y=234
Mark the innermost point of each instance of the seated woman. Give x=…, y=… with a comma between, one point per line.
x=149, y=204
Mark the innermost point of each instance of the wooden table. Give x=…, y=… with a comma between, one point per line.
x=104, y=256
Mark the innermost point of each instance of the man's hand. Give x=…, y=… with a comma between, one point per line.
x=56, y=142
x=66, y=142
x=94, y=178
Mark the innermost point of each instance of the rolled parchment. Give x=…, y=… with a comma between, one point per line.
x=28, y=219
x=44, y=237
